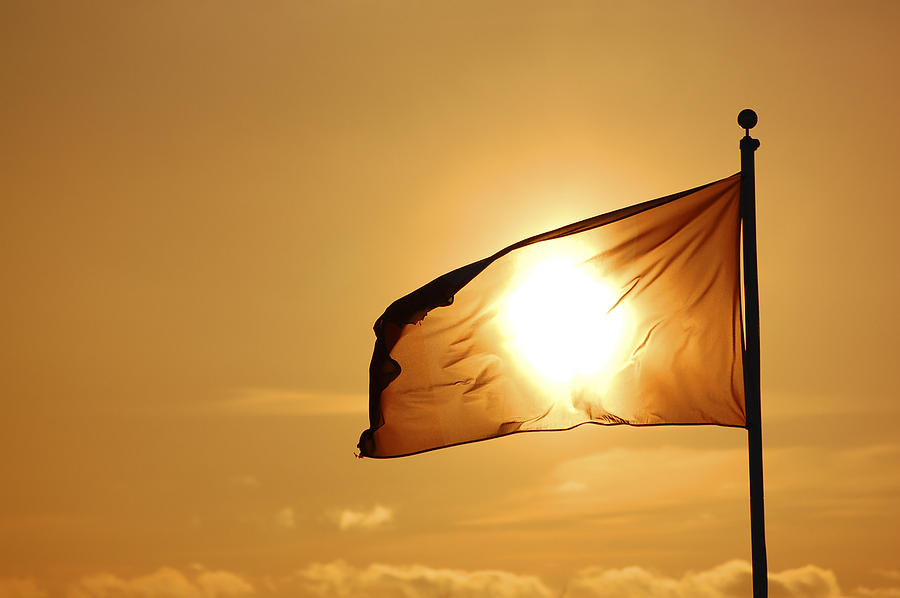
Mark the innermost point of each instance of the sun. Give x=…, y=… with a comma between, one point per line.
x=562, y=320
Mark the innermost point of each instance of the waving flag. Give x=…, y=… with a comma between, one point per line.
x=632, y=317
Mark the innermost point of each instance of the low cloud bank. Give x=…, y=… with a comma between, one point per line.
x=729, y=580
x=163, y=583
x=338, y=579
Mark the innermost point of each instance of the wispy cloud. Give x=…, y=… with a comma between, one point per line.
x=626, y=480
x=285, y=518
x=779, y=404
x=269, y=401
x=645, y=480
x=378, y=517
x=571, y=486
x=865, y=592
x=244, y=481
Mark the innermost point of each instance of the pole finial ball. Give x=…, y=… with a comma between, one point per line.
x=747, y=118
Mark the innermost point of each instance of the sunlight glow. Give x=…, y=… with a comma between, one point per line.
x=559, y=318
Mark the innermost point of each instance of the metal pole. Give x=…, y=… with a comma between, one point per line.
x=747, y=119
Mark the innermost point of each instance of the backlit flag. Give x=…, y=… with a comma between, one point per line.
x=632, y=317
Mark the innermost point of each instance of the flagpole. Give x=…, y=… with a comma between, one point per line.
x=747, y=119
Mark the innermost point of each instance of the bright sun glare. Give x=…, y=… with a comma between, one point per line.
x=558, y=318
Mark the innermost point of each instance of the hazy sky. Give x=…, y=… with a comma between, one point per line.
x=206, y=205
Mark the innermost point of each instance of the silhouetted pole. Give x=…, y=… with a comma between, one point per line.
x=747, y=119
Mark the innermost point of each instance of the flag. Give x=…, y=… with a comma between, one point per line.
x=632, y=317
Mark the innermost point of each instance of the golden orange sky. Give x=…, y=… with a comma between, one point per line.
x=206, y=205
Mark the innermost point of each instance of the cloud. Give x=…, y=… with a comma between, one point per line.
x=340, y=580
x=847, y=486
x=640, y=482
x=268, y=401
x=20, y=588
x=244, y=481
x=806, y=582
x=629, y=481
x=729, y=580
x=378, y=517
x=163, y=583
x=285, y=518
x=223, y=583
x=657, y=476
x=337, y=579
x=571, y=486
x=866, y=592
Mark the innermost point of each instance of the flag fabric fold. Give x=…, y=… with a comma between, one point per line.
x=632, y=317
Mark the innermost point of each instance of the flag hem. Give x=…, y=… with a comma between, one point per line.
x=363, y=455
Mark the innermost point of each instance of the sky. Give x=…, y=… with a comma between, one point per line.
x=206, y=205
